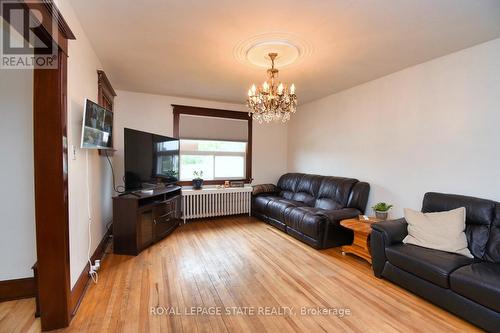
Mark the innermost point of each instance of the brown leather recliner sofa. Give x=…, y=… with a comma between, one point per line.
x=310, y=207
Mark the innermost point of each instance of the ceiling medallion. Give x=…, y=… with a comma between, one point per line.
x=254, y=50
x=273, y=100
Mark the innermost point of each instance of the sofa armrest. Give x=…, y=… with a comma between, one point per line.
x=385, y=234
x=341, y=214
x=335, y=234
x=393, y=231
x=264, y=189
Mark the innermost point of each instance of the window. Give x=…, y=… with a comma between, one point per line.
x=217, y=142
x=166, y=156
x=218, y=160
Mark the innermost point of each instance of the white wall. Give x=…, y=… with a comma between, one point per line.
x=83, y=64
x=153, y=113
x=17, y=202
x=431, y=127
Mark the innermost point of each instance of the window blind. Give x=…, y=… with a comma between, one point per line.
x=212, y=128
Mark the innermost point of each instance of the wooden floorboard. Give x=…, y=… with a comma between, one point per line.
x=237, y=264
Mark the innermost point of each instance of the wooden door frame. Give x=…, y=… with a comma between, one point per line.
x=51, y=171
x=51, y=181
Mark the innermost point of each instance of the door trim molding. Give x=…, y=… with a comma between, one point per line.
x=17, y=289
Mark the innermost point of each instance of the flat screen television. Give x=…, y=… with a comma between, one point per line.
x=97, y=129
x=149, y=159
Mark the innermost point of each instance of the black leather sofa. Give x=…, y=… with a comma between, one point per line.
x=310, y=207
x=469, y=288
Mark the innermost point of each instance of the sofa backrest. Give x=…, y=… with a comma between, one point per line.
x=323, y=191
x=334, y=192
x=307, y=189
x=287, y=184
x=359, y=196
x=493, y=246
x=480, y=216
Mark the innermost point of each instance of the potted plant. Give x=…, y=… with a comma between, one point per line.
x=197, y=180
x=382, y=210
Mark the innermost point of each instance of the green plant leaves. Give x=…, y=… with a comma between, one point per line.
x=382, y=207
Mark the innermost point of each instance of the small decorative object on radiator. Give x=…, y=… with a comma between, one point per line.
x=226, y=184
x=237, y=183
x=198, y=180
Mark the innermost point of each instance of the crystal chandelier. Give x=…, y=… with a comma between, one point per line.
x=273, y=100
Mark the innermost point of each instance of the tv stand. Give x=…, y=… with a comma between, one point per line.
x=129, y=193
x=140, y=220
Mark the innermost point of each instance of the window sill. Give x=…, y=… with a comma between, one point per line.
x=213, y=182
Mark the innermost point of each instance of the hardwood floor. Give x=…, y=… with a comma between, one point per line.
x=228, y=264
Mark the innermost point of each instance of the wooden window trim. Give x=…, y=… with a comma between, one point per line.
x=105, y=92
x=104, y=89
x=216, y=113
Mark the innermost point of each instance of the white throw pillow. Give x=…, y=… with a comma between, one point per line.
x=439, y=231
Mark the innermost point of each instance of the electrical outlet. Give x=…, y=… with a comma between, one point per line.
x=73, y=152
x=95, y=267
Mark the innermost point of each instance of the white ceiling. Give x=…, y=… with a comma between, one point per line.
x=186, y=47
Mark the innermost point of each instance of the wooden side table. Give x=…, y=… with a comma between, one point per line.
x=361, y=244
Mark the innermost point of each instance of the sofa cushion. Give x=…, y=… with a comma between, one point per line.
x=327, y=204
x=334, y=192
x=259, y=203
x=276, y=209
x=263, y=189
x=432, y=265
x=439, y=231
x=307, y=189
x=479, y=216
x=287, y=184
x=479, y=282
x=493, y=246
x=307, y=220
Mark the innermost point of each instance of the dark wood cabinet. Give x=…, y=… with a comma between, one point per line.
x=143, y=219
x=145, y=232
x=165, y=216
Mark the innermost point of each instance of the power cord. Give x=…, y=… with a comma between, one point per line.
x=119, y=188
x=92, y=268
